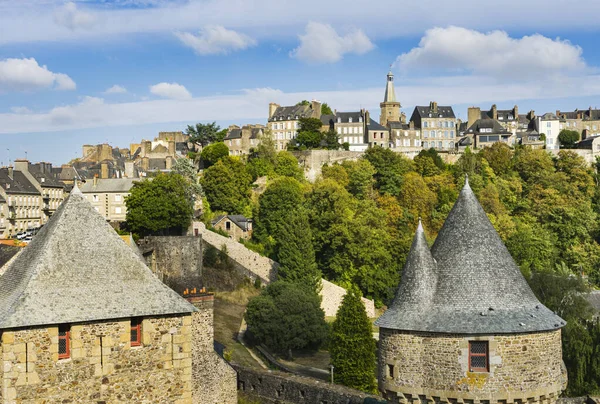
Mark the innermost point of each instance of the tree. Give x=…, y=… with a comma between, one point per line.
x=308, y=140
x=360, y=178
x=287, y=165
x=205, y=133
x=331, y=140
x=499, y=156
x=160, y=206
x=295, y=252
x=286, y=317
x=227, y=186
x=326, y=109
x=352, y=346
x=187, y=170
x=262, y=159
x=390, y=168
x=213, y=153
x=568, y=138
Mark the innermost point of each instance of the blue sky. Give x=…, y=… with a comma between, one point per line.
x=93, y=71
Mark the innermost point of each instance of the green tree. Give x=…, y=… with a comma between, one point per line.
x=568, y=138
x=160, y=206
x=331, y=140
x=310, y=125
x=187, y=169
x=285, y=317
x=352, y=346
x=295, y=252
x=390, y=168
x=205, y=133
x=287, y=165
x=227, y=186
x=309, y=140
x=360, y=177
x=213, y=153
x=326, y=109
x=499, y=156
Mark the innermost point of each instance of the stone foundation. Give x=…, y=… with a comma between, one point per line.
x=523, y=368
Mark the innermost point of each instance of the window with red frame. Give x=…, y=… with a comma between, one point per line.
x=64, y=342
x=478, y=356
x=136, y=331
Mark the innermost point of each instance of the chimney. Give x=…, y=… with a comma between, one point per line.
x=473, y=114
x=590, y=113
x=10, y=172
x=516, y=112
x=316, y=107
x=104, y=170
x=434, y=107
x=95, y=179
x=494, y=112
x=22, y=165
x=172, y=148
x=558, y=112
x=367, y=118
x=584, y=134
x=272, y=108
x=411, y=125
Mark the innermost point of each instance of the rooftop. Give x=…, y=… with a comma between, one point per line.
x=16, y=183
x=467, y=283
x=78, y=269
x=108, y=185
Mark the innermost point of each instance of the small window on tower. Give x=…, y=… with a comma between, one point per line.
x=136, y=332
x=478, y=356
x=64, y=342
x=390, y=369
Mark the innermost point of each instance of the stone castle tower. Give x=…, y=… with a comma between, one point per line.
x=390, y=108
x=464, y=326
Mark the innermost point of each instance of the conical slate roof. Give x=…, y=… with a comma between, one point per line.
x=78, y=269
x=476, y=287
x=390, y=94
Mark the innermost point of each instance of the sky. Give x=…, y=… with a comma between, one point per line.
x=118, y=71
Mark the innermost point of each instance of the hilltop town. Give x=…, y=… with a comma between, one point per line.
x=320, y=257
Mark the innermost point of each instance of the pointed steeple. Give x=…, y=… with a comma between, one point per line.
x=390, y=94
x=468, y=283
x=417, y=287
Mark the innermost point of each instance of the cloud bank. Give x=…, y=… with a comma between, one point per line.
x=28, y=75
x=215, y=40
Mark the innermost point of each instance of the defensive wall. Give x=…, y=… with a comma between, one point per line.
x=255, y=266
x=281, y=388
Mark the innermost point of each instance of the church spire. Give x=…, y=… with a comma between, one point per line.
x=390, y=94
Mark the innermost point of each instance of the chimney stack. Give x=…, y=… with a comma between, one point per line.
x=494, y=112
x=434, y=107
x=95, y=179
x=473, y=114
x=10, y=172
x=104, y=170
x=272, y=108
x=22, y=165
x=516, y=112
x=316, y=107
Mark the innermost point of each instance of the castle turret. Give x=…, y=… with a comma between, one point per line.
x=464, y=324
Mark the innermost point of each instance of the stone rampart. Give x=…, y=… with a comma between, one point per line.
x=281, y=388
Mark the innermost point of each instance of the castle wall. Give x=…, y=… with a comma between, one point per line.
x=103, y=366
x=526, y=367
x=213, y=380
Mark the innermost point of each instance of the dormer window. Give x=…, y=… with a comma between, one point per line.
x=339, y=120
x=510, y=117
x=360, y=119
x=430, y=115
x=500, y=118
x=296, y=116
x=350, y=119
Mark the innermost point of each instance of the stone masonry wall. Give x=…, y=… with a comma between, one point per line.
x=282, y=388
x=103, y=366
x=526, y=367
x=332, y=296
x=177, y=261
x=213, y=380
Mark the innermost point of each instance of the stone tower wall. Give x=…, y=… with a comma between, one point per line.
x=526, y=367
x=103, y=366
x=390, y=112
x=213, y=380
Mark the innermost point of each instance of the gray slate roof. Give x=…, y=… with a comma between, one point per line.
x=487, y=123
x=240, y=221
x=78, y=269
x=108, y=185
x=373, y=125
x=443, y=111
x=477, y=287
x=17, y=184
x=291, y=112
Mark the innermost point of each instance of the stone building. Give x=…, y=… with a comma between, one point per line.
x=437, y=125
x=241, y=140
x=284, y=122
x=238, y=227
x=507, y=118
x=40, y=176
x=580, y=120
x=464, y=325
x=21, y=204
x=83, y=319
x=107, y=196
x=350, y=128
x=485, y=132
x=404, y=136
x=377, y=135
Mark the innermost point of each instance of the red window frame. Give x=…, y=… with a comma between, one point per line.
x=64, y=333
x=479, y=355
x=136, y=326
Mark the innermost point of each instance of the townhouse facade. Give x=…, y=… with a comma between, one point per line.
x=437, y=125
x=241, y=140
x=22, y=208
x=284, y=122
x=351, y=128
x=107, y=196
x=581, y=120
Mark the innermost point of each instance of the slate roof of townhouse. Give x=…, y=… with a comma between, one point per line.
x=78, y=269
x=587, y=143
x=487, y=123
x=505, y=115
x=292, y=112
x=239, y=220
x=45, y=179
x=348, y=117
x=586, y=114
x=467, y=283
x=17, y=183
x=442, y=112
x=108, y=185
x=373, y=125
x=233, y=134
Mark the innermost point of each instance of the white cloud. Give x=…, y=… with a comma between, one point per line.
x=322, y=44
x=116, y=89
x=171, y=90
x=495, y=54
x=70, y=17
x=20, y=110
x=215, y=40
x=27, y=74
